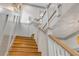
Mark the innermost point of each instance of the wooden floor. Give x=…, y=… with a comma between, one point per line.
x=24, y=46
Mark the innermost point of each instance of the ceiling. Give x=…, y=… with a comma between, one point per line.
x=5, y=4
x=38, y=5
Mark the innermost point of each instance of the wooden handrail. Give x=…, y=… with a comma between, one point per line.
x=63, y=45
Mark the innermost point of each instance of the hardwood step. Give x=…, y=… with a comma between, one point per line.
x=23, y=45
x=25, y=40
x=23, y=37
x=26, y=43
x=15, y=53
x=24, y=49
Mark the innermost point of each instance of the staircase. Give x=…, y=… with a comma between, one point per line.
x=24, y=46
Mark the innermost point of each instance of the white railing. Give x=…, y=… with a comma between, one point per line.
x=55, y=49
x=7, y=25
x=58, y=48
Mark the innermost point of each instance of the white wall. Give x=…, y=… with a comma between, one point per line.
x=29, y=11
x=22, y=29
x=72, y=42
x=43, y=43
x=65, y=7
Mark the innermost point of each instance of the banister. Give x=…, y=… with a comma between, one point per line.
x=63, y=45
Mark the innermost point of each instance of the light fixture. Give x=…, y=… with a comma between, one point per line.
x=15, y=7
x=10, y=8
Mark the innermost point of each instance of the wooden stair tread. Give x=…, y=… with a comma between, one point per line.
x=26, y=43
x=32, y=41
x=15, y=53
x=23, y=49
x=31, y=47
x=24, y=37
x=21, y=44
x=25, y=46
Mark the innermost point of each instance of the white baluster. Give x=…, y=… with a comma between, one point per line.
x=64, y=52
x=61, y=51
x=54, y=46
x=58, y=50
x=67, y=54
x=50, y=47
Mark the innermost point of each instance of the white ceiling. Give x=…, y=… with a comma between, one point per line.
x=5, y=4
x=39, y=5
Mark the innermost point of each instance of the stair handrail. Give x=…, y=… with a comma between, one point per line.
x=57, y=40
